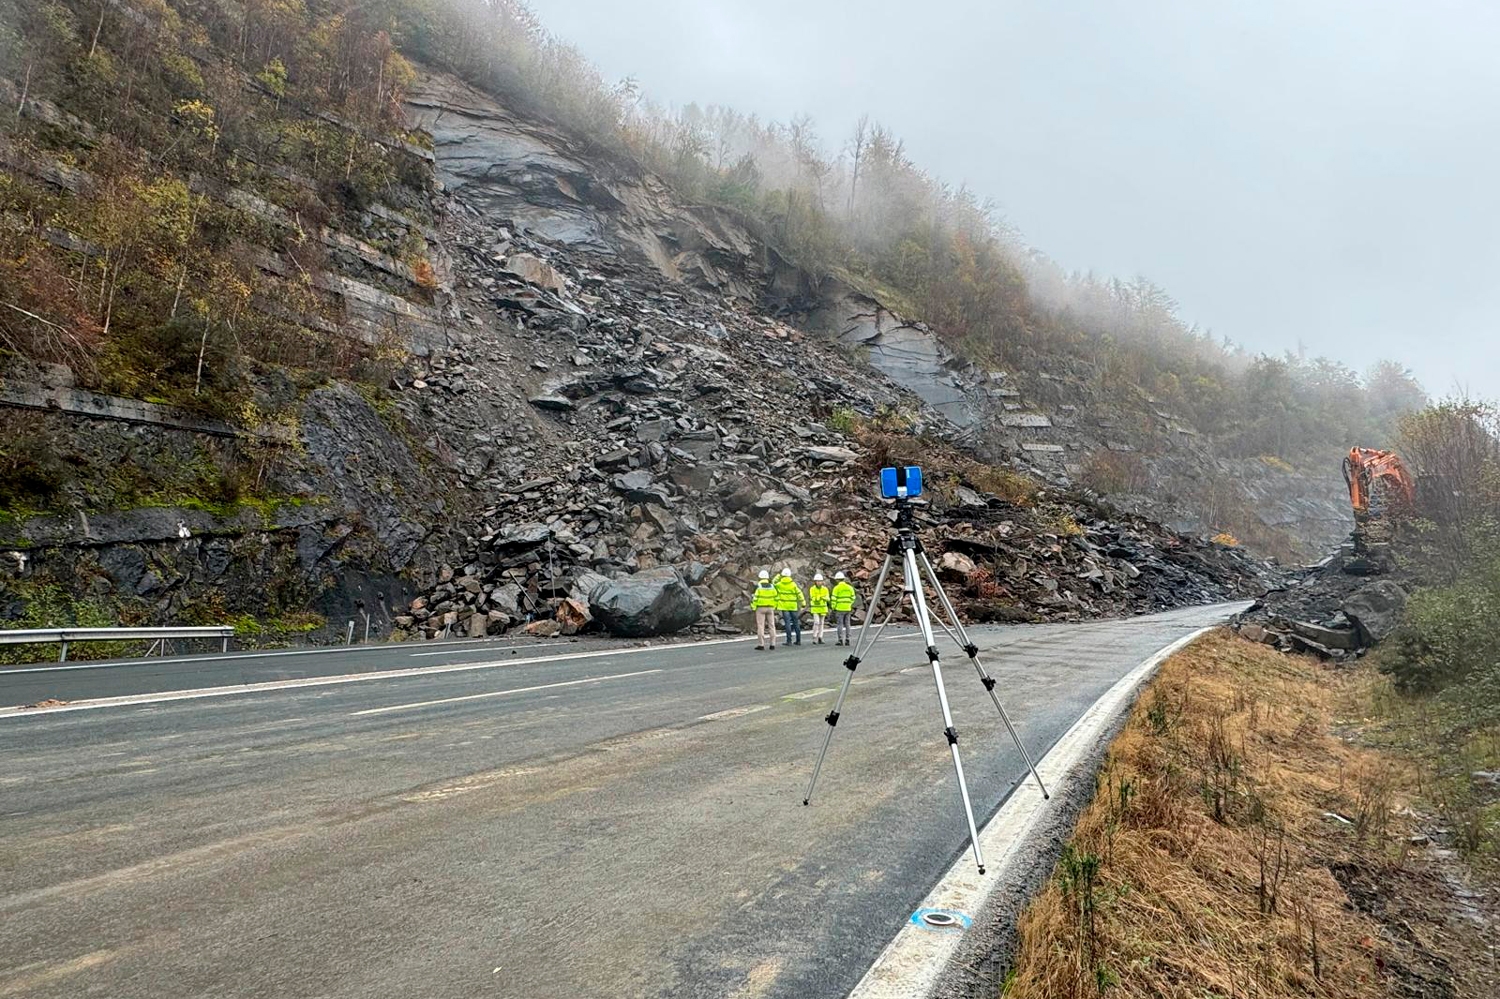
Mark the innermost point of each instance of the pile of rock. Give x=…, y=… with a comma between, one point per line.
x=1334, y=609
x=1061, y=560
x=608, y=427
x=529, y=577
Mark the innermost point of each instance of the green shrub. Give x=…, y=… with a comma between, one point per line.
x=48, y=605
x=1447, y=635
x=844, y=420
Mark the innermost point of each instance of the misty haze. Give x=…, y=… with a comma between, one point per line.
x=679, y=499
x=1299, y=176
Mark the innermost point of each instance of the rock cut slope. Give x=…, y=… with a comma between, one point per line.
x=585, y=379
x=616, y=390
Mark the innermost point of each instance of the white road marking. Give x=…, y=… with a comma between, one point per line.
x=321, y=681
x=914, y=964
x=343, y=678
x=498, y=693
x=803, y=695
x=638, y=648
x=734, y=713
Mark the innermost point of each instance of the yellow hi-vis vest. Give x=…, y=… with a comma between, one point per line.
x=788, y=594
x=843, y=596
x=764, y=597
x=817, y=598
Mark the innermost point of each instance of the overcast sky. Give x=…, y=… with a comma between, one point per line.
x=1314, y=172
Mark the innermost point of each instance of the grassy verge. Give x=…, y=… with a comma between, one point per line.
x=1244, y=842
x=1456, y=762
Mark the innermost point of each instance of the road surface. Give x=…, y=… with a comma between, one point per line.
x=617, y=824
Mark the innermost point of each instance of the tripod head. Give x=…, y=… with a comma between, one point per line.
x=905, y=521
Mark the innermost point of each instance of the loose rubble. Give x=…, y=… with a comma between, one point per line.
x=605, y=424
x=1333, y=609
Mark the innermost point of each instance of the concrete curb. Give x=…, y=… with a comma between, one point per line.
x=920, y=960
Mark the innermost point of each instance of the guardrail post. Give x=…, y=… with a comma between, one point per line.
x=64, y=657
x=225, y=645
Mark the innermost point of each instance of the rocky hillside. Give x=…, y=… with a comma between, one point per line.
x=1048, y=423
x=504, y=364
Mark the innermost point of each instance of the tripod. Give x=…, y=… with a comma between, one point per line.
x=906, y=546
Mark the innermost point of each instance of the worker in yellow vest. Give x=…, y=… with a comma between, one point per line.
x=790, y=601
x=842, y=600
x=763, y=602
x=817, y=603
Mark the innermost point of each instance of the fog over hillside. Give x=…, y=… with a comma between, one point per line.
x=1299, y=176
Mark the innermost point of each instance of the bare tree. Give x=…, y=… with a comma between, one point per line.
x=725, y=125
x=858, y=143
x=804, y=142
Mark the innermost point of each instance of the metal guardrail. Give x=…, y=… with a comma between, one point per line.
x=159, y=636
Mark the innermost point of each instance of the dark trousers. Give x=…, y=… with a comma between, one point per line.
x=791, y=621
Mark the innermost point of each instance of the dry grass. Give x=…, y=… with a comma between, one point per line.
x=1203, y=866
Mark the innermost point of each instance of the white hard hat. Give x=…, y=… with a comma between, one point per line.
x=817, y=576
x=764, y=574
x=786, y=570
x=838, y=575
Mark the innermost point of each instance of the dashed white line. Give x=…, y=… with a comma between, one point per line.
x=803, y=695
x=498, y=693
x=734, y=713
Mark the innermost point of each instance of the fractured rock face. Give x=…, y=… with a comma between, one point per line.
x=908, y=354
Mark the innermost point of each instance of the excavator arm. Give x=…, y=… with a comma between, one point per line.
x=1378, y=481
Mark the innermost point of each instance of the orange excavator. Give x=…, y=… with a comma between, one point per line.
x=1379, y=484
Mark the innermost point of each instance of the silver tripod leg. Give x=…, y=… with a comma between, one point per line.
x=851, y=664
x=972, y=651
x=919, y=607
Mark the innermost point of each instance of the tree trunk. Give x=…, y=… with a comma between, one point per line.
x=94, y=46
x=186, y=250
x=104, y=277
x=25, y=89
x=202, y=349
x=177, y=298
x=114, y=281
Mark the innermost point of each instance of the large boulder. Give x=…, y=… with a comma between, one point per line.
x=1345, y=639
x=1376, y=610
x=654, y=602
x=956, y=566
x=534, y=270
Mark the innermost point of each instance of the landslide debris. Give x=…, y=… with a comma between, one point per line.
x=619, y=395
x=672, y=481
x=1337, y=609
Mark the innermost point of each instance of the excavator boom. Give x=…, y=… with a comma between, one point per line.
x=1377, y=480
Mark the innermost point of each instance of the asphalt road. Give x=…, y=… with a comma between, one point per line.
x=619, y=824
